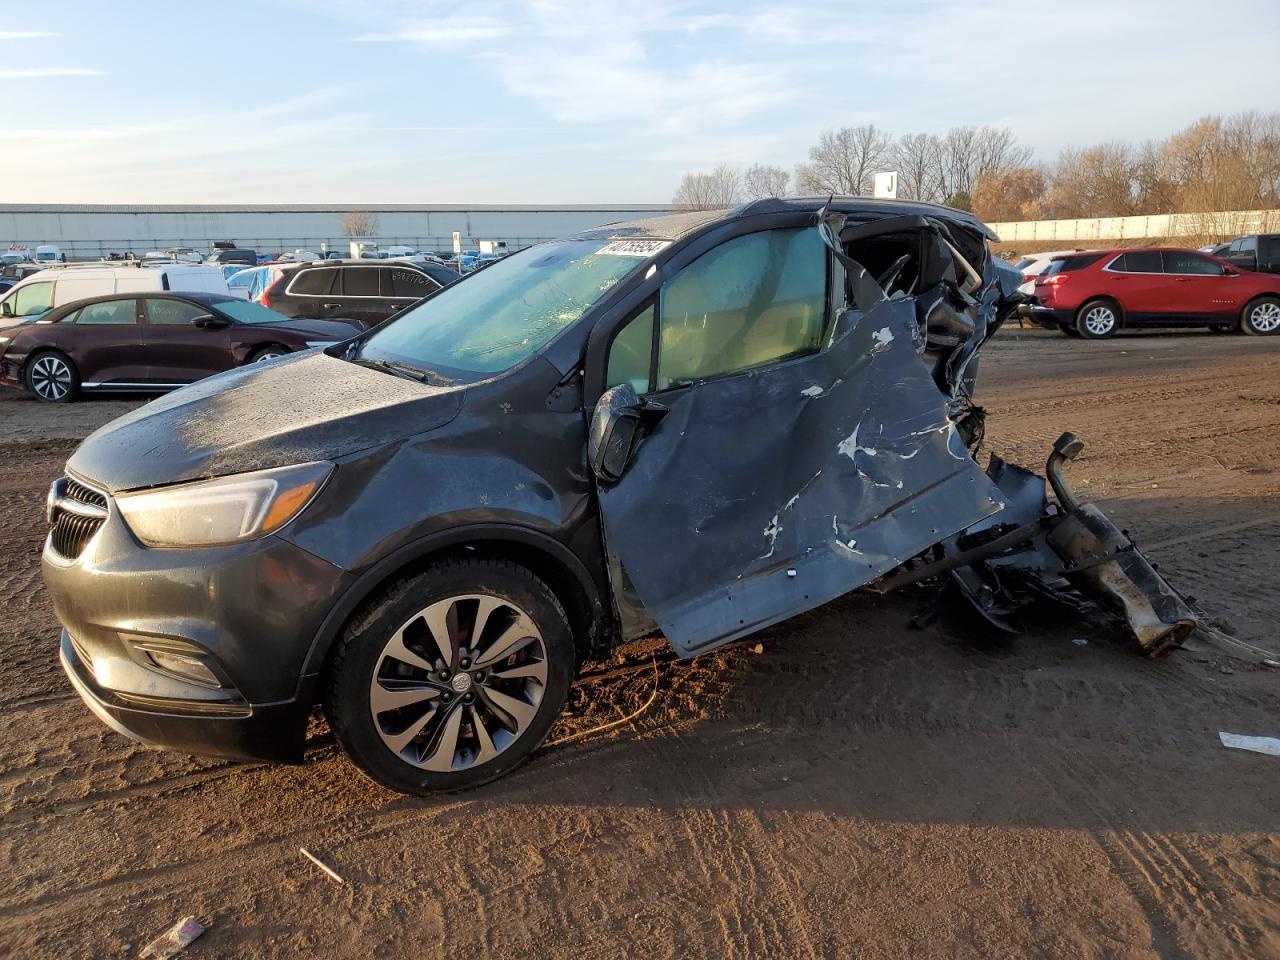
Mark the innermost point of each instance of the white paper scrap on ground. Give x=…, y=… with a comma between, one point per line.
x=173, y=941
x=1268, y=745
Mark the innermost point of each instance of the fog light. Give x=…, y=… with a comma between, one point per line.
x=186, y=667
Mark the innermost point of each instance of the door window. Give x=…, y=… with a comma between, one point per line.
x=1180, y=261
x=108, y=311
x=1247, y=244
x=360, y=282
x=32, y=299
x=314, y=283
x=750, y=301
x=1141, y=261
x=406, y=284
x=173, y=312
x=1270, y=252
x=631, y=353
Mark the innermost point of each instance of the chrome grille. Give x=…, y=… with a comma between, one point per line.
x=76, y=513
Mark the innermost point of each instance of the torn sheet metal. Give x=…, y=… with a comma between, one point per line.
x=838, y=466
x=1069, y=552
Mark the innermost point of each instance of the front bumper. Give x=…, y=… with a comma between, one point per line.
x=250, y=611
x=11, y=373
x=274, y=732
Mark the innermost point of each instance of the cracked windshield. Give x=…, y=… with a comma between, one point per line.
x=506, y=312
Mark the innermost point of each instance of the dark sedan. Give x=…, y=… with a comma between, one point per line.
x=150, y=342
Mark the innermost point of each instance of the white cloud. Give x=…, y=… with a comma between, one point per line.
x=481, y=29
x=38, y=73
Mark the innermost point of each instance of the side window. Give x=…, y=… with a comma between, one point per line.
x=631, y=353
x=1247, y=244
x=173, y=312
x=407, y=283
x=1118, y=265
x=1143, y=261
x=750, y=301
x=1180, y=261
x=32, y=299
x=360, y=281
x=1236, y=245
x=109, y=311
x=1270, y=251
x=314, y=283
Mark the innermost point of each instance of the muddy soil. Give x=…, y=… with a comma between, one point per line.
x=858, y=788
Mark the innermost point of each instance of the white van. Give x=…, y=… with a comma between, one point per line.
x=31, y=298
x=48, y=253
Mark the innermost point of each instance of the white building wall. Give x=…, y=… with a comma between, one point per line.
x=91, y=231
x=1224, y=223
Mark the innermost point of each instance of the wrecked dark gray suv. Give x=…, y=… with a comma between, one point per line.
x=702, y=424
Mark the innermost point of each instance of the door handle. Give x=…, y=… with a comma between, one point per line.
x=1181, y=279
x=331, y=306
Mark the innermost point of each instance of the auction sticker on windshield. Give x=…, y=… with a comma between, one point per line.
x=633, y=248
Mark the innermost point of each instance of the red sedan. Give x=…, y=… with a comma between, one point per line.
x=1094, y=293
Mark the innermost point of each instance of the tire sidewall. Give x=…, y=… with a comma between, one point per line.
x=1093, y=305
x=73, y=388
x=267, y=353
x=347, y=691
x=1246, y=317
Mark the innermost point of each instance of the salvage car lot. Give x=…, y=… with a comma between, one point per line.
x=858, y=787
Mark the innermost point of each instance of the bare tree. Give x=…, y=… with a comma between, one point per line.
x=722, y=187
x=1005, y=197
x=967, y=153
x=918, y=158
x=1095, y=181
x=360, y=223
x=845, y=161
x=761, y=180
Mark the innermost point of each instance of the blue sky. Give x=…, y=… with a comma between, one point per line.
x=392, y=101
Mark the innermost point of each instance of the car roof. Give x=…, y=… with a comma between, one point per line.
x=196, y=296
x=675, y=226
x=345, y=262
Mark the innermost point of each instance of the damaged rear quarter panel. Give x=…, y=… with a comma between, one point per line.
x=767, y=493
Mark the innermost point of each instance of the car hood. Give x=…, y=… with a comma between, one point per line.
x=303, y=408
x=322, y=329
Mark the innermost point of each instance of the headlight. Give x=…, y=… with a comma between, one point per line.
x=226, y=510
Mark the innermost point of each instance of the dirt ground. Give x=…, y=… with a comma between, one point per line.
x=859, y=788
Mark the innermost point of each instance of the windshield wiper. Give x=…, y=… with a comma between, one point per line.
x=404, y=370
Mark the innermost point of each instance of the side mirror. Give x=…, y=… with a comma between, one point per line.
x=6, y=309
x=619, y=421
x=209, y=321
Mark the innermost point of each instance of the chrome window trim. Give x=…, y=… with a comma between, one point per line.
x=373, y=265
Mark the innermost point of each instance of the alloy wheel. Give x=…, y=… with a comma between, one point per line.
x=268, y=355
x=458, y=683
x=1100, y=321
x=1265, y=317
x=51, y=377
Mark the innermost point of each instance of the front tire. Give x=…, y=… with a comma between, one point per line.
x=266, y=353
x=52, y=378
x=1261, y=318
x=451, y=677
x=1098, y=319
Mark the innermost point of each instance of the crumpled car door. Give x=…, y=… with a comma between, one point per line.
x=763, y=494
